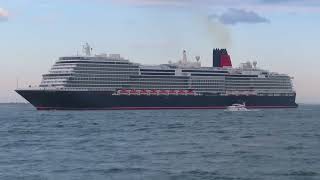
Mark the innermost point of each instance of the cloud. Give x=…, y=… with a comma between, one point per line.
x=261, y=5
x=235, y=16
x=4, y=15
x=282, y=1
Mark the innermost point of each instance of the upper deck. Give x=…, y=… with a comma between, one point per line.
x=113, y=72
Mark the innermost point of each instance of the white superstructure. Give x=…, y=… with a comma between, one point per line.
x=112, y=72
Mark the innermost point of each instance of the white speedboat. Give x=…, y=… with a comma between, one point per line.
x=237, y=107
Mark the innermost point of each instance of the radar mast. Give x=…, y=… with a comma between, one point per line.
x=184, y=57
x=87, y=49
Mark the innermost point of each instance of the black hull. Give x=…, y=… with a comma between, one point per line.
x=104, y=100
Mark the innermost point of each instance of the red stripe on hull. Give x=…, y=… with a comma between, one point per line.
x=160, y=108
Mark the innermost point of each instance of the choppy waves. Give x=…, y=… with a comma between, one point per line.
x=186, y=144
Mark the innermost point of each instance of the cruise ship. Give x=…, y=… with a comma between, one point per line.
x=111, y=82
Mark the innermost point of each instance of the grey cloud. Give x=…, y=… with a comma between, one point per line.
x=235, y=16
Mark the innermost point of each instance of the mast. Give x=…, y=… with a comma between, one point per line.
x=87, y=49
x=184, y=57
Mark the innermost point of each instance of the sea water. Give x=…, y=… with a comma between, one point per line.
x=277, y=144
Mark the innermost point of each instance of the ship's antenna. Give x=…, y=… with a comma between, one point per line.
x=87, y=49
x=198, y=58
x=255, y=64
x=184, y=57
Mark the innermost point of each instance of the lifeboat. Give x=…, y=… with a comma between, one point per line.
x=163, y=92
x=133, y=92
x=190, y=92
x=172, y=92
x=143, y=92
x=123, y=92
x=181, y=92
x=153, y=92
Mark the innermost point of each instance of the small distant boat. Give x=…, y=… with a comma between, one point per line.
x=237, y=107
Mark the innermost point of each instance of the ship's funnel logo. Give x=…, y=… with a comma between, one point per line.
x=221, y=58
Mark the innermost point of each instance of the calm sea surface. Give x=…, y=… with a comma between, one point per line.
x=159, y=145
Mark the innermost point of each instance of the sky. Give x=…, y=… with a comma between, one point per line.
x=282, y=35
